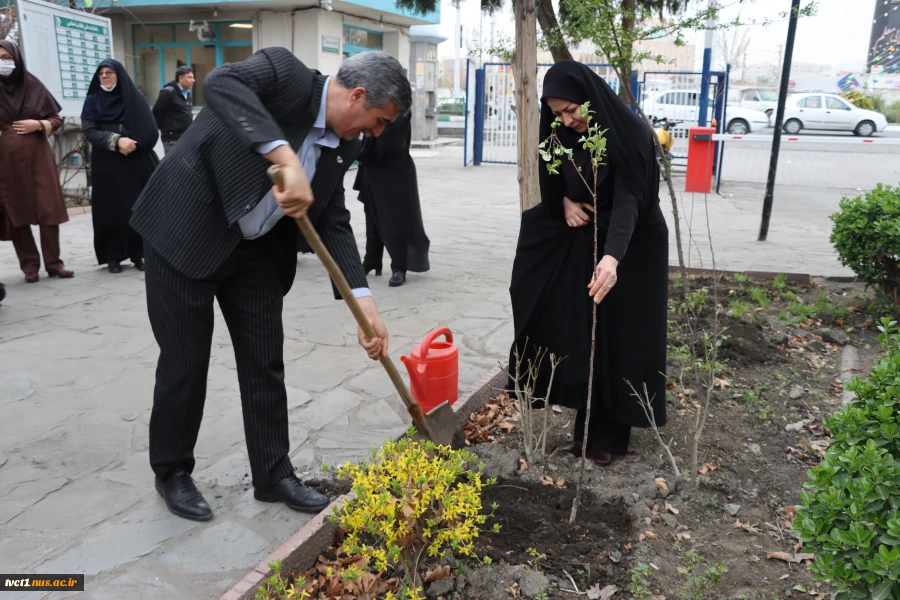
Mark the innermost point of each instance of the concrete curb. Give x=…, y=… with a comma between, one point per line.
x=302, y=548
x=801, y=278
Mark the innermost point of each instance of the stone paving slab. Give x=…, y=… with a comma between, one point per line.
x=77, y=361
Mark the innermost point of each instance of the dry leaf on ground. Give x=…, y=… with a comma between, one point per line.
x=707, y=468
x=790, y=558
x=661, y=484
x=595, y=593
x=441, y=572
x=496, y=417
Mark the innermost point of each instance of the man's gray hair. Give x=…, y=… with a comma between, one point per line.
x=382, y=76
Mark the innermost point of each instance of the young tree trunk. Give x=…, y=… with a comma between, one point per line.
x=550, y=29
x=524, y=66
x=625, y=66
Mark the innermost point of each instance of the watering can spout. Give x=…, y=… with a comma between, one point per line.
x=416, y=372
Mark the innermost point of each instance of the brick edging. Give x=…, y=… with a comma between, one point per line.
x=79, y=210
x=309, y=541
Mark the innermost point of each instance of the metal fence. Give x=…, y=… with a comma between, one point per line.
x=676, y=95
x=492, y=116
x=499, y=109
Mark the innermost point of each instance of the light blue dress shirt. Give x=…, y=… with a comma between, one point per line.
x=267, y=213
x=184, y=92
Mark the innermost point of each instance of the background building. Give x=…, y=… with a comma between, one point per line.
x=884, y=44
x=152, y=38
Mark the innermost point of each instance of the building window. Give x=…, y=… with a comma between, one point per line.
x=160, y=49
x=357, y=39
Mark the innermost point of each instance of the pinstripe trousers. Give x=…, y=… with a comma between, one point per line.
x=250, y=293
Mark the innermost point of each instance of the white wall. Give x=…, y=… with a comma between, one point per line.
x=273, y=29
x=330, y=23
x=306, y=37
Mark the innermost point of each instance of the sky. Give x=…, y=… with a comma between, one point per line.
x=837, y=36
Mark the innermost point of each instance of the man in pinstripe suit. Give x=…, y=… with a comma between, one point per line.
x=213, y=229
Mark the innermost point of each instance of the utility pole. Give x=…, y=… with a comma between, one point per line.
x=779, y=120
x=457, y=39
x=707, y=63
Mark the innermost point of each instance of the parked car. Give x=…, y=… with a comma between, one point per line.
x=830, y=112
x=684, y=106
x=759, y=99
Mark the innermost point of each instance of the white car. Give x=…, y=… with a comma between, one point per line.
x=830, y=112
x=684, y=106
x=760, y=99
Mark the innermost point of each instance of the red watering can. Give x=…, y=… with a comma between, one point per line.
x=434, y=370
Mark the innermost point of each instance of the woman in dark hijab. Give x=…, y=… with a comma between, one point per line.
x=554, y=284
x=119, y=125
x=389, y=189
x=30, y=193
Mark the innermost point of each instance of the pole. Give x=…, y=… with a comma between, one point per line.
x=724, y=122
x=457, y=39
x=707, y=61
x=779, y=119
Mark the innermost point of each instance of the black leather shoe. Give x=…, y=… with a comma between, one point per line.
x=183, y=498
x=139, y=264
x=114, y=267
x=293, y=493
x=397, y=278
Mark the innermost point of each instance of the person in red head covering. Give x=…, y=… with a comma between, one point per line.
x=30, y=193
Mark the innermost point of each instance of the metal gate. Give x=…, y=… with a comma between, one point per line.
x=495, y=135
x=676, y=96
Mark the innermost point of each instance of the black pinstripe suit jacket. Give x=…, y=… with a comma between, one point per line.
x=190, y=208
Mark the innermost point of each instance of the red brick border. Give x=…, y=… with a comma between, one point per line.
x=79, y=210
x=302, y=548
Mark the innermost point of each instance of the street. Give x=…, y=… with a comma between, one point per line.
x=816, y=163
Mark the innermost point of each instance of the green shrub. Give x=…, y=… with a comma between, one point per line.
x=858, y=99
x=891, y=111
x=850, y=513
x=866, y=236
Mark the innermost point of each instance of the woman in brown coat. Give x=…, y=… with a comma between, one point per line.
x=30, y=193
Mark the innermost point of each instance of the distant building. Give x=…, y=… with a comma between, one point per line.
x=674, y=57
x=810, y=69
x=152, y=38
x=884, y=44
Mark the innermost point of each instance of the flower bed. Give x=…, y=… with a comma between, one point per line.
x=641, y=532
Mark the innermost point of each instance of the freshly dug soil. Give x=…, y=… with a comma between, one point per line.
x=536, y=517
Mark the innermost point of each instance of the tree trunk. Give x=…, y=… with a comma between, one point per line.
x=524, y=66
x=550, y=29
x=625, y=66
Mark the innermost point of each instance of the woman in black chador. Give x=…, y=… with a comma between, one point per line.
x=389, y=189
x=553, y=287
x=122, y=131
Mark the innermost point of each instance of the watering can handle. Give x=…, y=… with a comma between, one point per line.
x=429, y=339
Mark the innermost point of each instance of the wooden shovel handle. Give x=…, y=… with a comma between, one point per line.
x=315, y=242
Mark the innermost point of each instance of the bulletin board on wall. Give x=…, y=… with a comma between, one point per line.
x=62, y=47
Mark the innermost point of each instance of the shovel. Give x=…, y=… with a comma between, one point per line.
x=439, y=425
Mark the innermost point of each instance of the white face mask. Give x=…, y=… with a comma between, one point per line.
x=7, y=68
x=106, y=89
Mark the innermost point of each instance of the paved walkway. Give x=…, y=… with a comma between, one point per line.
x=77, y=363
